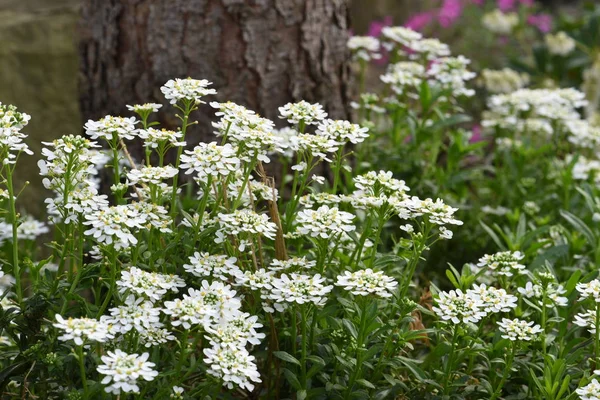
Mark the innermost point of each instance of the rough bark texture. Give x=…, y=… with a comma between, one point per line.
x=258, y=53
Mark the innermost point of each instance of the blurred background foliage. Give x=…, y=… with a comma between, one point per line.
x=39, y=62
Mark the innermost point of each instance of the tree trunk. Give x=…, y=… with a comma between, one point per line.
x=258, y=53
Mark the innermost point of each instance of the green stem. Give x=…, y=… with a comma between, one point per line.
x=303, y=350
x=15, y=243
x=113, y=273
x=338, y=166
x=82, y=370
x=448, y=371
x=184, y=125
x=507, y=366
x=597, y=336
x=359, y=345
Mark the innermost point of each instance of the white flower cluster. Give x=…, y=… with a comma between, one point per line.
x=559, y=44
x=501, y=23
x=517, y=329
x=554, y=293
x=506, y=263
x=533, y=110
x=189, y=89
x=11, y=138
x=364, y=48
x=210, y=160
x=156, y=138
x=80, y=330
x=219, y=266
x=114, y=225
x=342, y=131
x=245, y=221
x=324, y=222
x=253, y=135
x=123, y=371
x=366, y=282
x=591, y=391
x=505, y=80
x=152, y=285
x=589, y=290
x=300, y=289
x=474, y=304
x=451, y=74
x=111, y=128
x=404, y=76
x=303, y=112
x=144, y=109
x=151, y=175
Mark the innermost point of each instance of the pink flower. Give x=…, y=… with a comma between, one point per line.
x=506, y=5
x=451, y=10
x=376, y=26
x=419, y=21
x=476, y=136
x=541, y=21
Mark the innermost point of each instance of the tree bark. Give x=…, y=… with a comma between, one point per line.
x=258, y=53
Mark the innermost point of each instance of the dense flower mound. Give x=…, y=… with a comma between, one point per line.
x=437, y=244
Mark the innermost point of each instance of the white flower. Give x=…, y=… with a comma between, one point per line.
x=586, y=319
x=457, y=306
x=81, y=329
x=150, y=284
x=219, y=266
x=430, y=48
x=155, y=336
x=177, y=393
x=235, y=366
x=366, y=282
x=451, y=73
x=499, y=22
x=145, y=108
x=381, y=183
x=436, y=212
x=591, y=391
x=505, y=80
x=398, y=36
x=494, y=300
x=187, y=89
x=559, y=44
x=124, y=370
x=517, y=329
x=210, y=160
x=135, y=314
x=553, y=293
x=301, y=289
x=114, y=225
x=316, y=145
x=11, y=139
x=111, y=128
x=302, y=111
x=237, y=332
x=293, y=263
x=151, y=175
x=245, y=221
x=342, y=131
x=212, y=303
x=403, y=76
x=503, y=263
x=364, y=47
x=30, y=228
x=324, y=222
x=590, y=289
x=154, y=138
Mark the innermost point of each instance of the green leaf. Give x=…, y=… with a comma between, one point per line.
x=291, y=378
x=580, y=226
x=287, y=357
x=365, y=383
